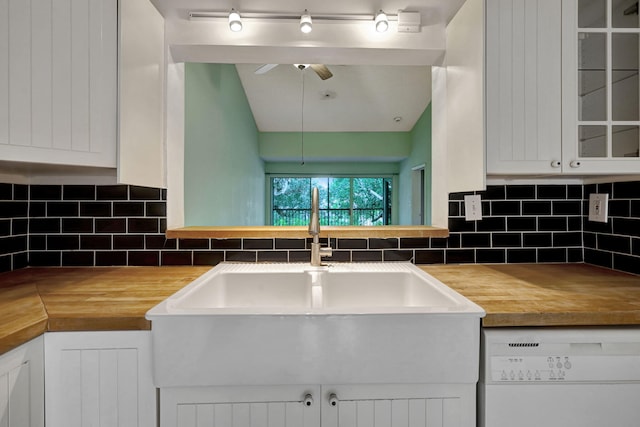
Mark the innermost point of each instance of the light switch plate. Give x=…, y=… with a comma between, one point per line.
x=472, y=207
x=598, y=207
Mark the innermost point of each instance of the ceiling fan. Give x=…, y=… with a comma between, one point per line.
x=320, y=69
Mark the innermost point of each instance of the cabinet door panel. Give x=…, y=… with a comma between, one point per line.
x=22, y=386
x=99, y=379
x=400, y=406
x=267, y=406
x=57, y=92
x=523, y=86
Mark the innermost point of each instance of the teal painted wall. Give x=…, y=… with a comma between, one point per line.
x=328, y=146
x=333, y=168
x=224, y=175
x=420, y=154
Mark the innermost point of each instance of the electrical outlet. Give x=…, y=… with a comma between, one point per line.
x=472, y=208
x=598, y=207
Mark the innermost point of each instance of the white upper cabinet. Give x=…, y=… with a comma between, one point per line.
x=600, y=94
x=141, y=158
x=562, y=87
x=523, y=86
x=58, y=81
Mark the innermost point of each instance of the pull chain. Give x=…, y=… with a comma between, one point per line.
x=302, y=124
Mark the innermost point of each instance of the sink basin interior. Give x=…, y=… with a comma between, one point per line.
x=299, y=289
x=381, y=289
x=250, y=289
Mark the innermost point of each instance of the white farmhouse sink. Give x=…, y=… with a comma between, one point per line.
x=265, y=324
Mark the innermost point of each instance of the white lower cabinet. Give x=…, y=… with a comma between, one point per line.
x=99, y=379
x=22, y=386
x=377, y=405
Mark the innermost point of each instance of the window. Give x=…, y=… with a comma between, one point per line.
x=342, y=201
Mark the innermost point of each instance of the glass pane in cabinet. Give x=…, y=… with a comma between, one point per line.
x=592, y=141
x=592, y=13
x=592, y=76
x=624, y=141
x=624, y=90
x=624, y=13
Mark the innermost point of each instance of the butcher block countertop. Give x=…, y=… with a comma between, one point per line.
x=546, y=294
x=36, y=300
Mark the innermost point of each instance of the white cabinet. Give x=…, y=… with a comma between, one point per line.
x=99, y=378
x=22, y=385
x=413, y=405
x=600, y=92
x=562, y=87
x=523, y=86
x=58, y=82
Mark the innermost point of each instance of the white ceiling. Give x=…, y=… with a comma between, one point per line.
x=358, y=98
x=365, y=97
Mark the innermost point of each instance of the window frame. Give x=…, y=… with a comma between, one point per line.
x=394, y=190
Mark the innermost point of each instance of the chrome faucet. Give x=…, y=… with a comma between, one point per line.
x=317, y=252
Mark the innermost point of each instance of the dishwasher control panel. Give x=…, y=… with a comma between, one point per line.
x=563, y=368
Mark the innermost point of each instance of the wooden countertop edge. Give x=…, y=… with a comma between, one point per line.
x=383, y=231
x=23, y=335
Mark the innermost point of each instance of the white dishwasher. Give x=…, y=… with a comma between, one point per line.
x=560, y=377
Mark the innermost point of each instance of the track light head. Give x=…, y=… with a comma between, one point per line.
x=235, y=22
x=306, y=24
x=382, y=22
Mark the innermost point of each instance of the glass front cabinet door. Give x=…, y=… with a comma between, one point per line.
x=600, y=90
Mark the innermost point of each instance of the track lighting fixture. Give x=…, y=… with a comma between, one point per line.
x=407, y=21
x=306, y=25
x=382, y=22
x=235, y=22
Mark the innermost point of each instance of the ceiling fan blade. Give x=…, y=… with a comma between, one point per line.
x=322, y=71
x=265, y=68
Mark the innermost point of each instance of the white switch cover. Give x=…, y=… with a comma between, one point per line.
x=472, y=208
x=598, y=207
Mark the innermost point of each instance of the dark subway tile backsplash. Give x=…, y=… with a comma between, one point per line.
x=84, y=225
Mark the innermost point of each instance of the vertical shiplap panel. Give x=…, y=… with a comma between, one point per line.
x=417, y=413
x=96, y=75
x=506, y=77
x=347, y=416
x=71, y=383
x=400, y=413
x=20, y=71
x=364, y=413
x=19, y=380
x=108, y=373
x=295, y=414
x=259, y=414
x=382, y=413
x=41, y=106
x=127, y=387
x=80, y=75
x=451, y=413
x=186, y=416
x=4, y=74
x=205, y=416
x=223, y=415
x=61, y=74
x=90, y=373
x=103, y=71
x=276, y=414
x=492, y=80
x=434, y=413
x=4, y=400
x=530, y=136
x=241, y=414
x=549, y=52
x=518, y=83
